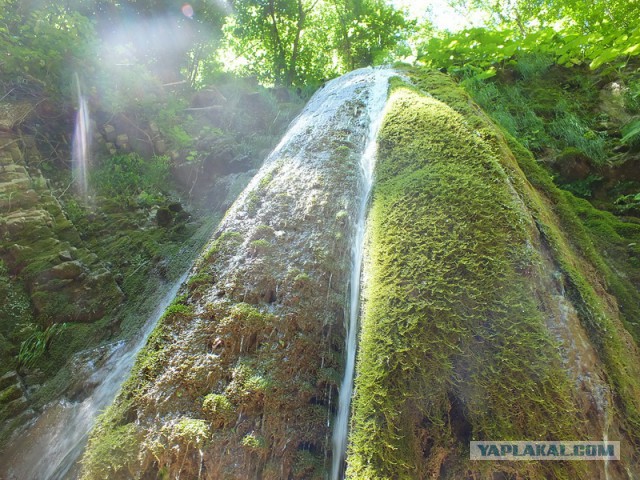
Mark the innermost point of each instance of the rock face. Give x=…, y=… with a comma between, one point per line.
x=48, y=275
x=488, y=314
x=239, y=379
x=65, y=281
x=13, y=397
x=483, y=319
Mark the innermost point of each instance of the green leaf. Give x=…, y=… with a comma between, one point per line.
x=632, y=49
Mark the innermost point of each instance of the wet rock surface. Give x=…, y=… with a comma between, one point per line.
x=66, y=282
x=243, y=369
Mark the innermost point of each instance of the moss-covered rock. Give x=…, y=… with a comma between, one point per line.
x=35, y=232
x=473, y=309
x=252, y=363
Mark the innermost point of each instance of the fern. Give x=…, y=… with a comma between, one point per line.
x=37, y=343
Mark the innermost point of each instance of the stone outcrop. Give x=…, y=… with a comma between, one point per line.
x=13, y=398
x=66, y=282
x=239, y=379
x=483, y=318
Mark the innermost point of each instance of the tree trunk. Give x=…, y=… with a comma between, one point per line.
x=291, y=71
x=279, y=57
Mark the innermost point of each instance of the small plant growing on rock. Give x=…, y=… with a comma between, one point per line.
x=260, y=246
x=254, y=442
x=263, y=232
x=224, y=245
x=37, y=342
x=219, y=410
x=190, y=432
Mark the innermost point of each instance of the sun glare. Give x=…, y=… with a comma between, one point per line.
x=441, y=14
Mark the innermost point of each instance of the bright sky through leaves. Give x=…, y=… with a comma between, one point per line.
x=440, y=13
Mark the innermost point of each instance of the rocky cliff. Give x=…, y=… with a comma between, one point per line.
x=49, y=276
x=66, y=282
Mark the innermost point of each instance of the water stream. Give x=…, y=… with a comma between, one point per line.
x=375, y=108
x=81, y=139
x=50, y=449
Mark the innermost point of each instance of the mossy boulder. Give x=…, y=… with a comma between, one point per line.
x=251, y=365
x=38, y=240
x=470, y=319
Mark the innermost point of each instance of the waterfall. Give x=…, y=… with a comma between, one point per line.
x=53, y=445
x=81, y=139
x=605, y=439
x=375, y=108
x=348, y=109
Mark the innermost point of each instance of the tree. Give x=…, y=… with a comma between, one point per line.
x=295, y=41
x=42, y=46
x=530, y=15
x=270, y=32
x=369, y=30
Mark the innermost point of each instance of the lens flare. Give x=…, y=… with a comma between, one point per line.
x=187, y=10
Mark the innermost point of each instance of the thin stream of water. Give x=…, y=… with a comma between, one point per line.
x=81, y=139
x=52, y=446
x=375, y=108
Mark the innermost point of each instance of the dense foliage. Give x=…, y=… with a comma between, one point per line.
x=296, y=42
x=285, y=42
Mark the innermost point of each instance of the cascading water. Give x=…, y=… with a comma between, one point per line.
x=53, y=445
x=81, y=139
x=349, y=108
x=375, y=108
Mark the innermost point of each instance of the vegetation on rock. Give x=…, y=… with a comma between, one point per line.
x=504, y=231
x=455, y=345
x=250, y=355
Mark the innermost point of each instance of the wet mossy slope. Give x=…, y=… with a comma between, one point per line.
x=482, y=318
x=238, y=380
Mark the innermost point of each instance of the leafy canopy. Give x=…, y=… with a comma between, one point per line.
x=571, y=32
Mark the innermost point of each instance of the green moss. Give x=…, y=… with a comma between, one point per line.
x=177, y=310
x=11, y=393
x=342, y=216
x=38, y=263
x=453, y=346
x=250, y=384
x=219, y=410
x=253, y=203
x=190, y=432
x=260, y=246
x=574, y=247
x=266, y=180
x=112, y=452
x=342, y=153
x=199, y=283
x=253, y=442
x=263, y=232
x=248, y=316
x=572, y=243
x=223, y=246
